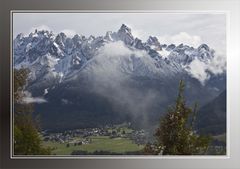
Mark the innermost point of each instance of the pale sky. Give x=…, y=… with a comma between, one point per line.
x=188, y=28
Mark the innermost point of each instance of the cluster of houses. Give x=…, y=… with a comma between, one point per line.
x=138, y=136
x=68, y=136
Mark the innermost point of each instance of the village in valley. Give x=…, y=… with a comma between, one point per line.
x=85, y=139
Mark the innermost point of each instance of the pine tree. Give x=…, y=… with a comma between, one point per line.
x=27, y=140
x=175, y=135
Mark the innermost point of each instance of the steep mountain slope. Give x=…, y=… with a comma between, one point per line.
x=211, y=118
x=92, y=81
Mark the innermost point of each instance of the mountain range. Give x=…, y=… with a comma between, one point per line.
x=92, y=81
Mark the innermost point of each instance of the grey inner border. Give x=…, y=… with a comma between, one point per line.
x=233, y=6
x=108, y=156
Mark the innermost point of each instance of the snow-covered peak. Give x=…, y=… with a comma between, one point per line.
x=108, y=36
x=204, y=47
x=60, y=39
x=65, y=55
x=125, y=34
x=170, y=47
x=138, y=43
x=19, y=36
x=152, y=40
x=154, y=43
x=205, y=54
x=41, y=34
x=77, y=39
x=184, y=54
x=125, y=29
x=90, y=39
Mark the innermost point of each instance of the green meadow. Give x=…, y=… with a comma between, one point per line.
x=98, y=143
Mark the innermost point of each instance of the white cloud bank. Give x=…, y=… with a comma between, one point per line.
x=39, y=28
x=202, y=71
x=69, y=32
x=116, y=56
x=109, y=78
x=197, y=69
x=29, y=99
x=182, y=37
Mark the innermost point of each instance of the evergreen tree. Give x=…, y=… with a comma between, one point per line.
x=175, y=135
x=27, y=140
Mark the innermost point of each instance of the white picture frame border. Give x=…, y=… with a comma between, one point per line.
x=233, y=84
x=226, y=13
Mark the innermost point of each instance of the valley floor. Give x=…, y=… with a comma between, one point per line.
x=110, y=140
x=98, y=144
x=118, y=139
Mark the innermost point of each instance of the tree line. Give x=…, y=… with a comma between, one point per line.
x=26, y=137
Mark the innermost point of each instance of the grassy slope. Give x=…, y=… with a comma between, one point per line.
x=104, y=143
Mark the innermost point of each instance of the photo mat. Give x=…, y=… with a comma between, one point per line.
x=119, y=84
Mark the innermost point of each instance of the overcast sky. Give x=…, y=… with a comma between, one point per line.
x=188, y=28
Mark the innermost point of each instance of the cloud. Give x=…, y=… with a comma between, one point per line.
x=40, y=28
x=217, y=65
x=29, y=99
x=203, y=70
x=182, y=37
x=198, y=70
x=114, y=49
x=110, y=75
x=116, y=57
x=65, y=101
x=140, y=34
x=69, y=32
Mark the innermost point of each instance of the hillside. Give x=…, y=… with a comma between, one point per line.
x=211, y=118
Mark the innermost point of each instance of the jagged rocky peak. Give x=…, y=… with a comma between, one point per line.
x=124, y=28
x=203, y=47
x=170, y=47
x=125, y=34
x=41, y=34
x=108, y=36
x=60, y=38
x=153, y=42
x=183, y=47
x=19, y=36
x=138, y=43
x=77, y=39
x=180, y=46
x=18, y=40
x=91, y=38
x=205, y=53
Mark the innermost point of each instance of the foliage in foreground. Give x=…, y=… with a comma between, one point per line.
x=27, y=140
x=175, y=135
